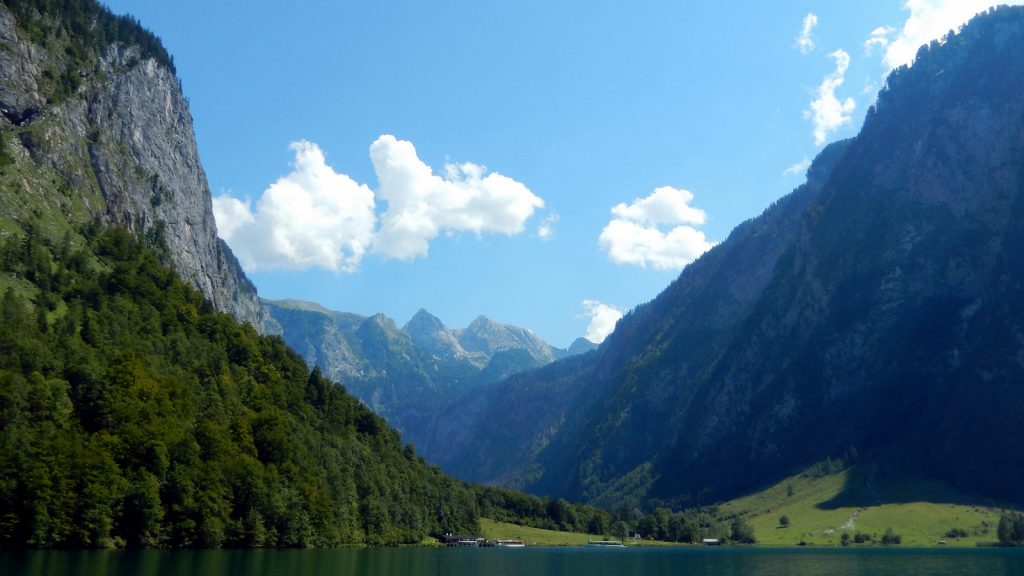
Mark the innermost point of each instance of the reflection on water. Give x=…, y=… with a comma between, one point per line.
x=518, y=562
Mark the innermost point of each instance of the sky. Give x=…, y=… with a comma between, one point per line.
x=547, y=164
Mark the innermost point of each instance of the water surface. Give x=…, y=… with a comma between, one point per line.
x=519, y=562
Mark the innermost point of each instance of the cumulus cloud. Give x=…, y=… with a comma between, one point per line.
x=546, y=229
x=422, y=205
x=313, y=217
x=318, y=218
x=879, y=38
x=798, y=168
x=602, y=320
x=804, y=41
x=666, y=205
x=636, y=234
x=929, y=20
x=827, y=112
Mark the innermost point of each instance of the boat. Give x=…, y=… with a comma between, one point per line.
x=457, y=541
x=606, y=543
x=510, y=544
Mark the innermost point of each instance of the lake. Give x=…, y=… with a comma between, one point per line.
x=518, y=562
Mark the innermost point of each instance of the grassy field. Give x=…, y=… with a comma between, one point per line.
x=494, y=530
x=821, y=508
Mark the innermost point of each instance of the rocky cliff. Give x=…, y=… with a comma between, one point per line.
x=95, y=127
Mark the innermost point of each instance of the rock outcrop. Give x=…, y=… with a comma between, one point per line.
x=103, y=132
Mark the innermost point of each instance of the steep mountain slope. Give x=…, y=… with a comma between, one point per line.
x=875, y=312
x=132, y=414
x=94, y=126
x=537, y=408
x=424, y=378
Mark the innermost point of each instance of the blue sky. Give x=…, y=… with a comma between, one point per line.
x=619, y=139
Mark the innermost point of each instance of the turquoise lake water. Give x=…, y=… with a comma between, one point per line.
x=518, y=562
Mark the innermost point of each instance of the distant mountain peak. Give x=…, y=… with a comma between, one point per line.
x=423, y=321
x=296, y=304
x=487, y=336
x=429, y=332
x=383, y=321
x=581, y=346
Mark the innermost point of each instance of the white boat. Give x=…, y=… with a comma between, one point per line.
x=510, y=544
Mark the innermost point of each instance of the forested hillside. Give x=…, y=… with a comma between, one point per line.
x=132, y=413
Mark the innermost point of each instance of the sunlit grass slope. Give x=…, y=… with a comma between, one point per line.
x=821, y=508
x=494, y=530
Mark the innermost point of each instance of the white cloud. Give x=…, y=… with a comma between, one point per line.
x=666, y=205
x=827, y=112
x=232, y=215
x=316, y=217
x=798, y=168
x=930, y=20
x=313, y=217
x=804, y=41
x=878, y=39
x=546, y=229
x=422, y=204
x=635, y=235
x=602, y=320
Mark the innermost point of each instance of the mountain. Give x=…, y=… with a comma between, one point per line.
x=428, y=332
x=874, y=315
x=580, y=346
x=488, y=337
x=94, y=126
x=425, y=378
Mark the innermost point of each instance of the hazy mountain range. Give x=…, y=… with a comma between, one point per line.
x=423, y=377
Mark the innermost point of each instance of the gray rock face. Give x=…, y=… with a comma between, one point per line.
x=123, y=142
x=19, y=66
x=427, y=331
x=488, y=337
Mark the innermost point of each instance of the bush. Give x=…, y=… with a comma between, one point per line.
x=859, y=538
x=742, y=532
x=1011, y=529
x=891, y=537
